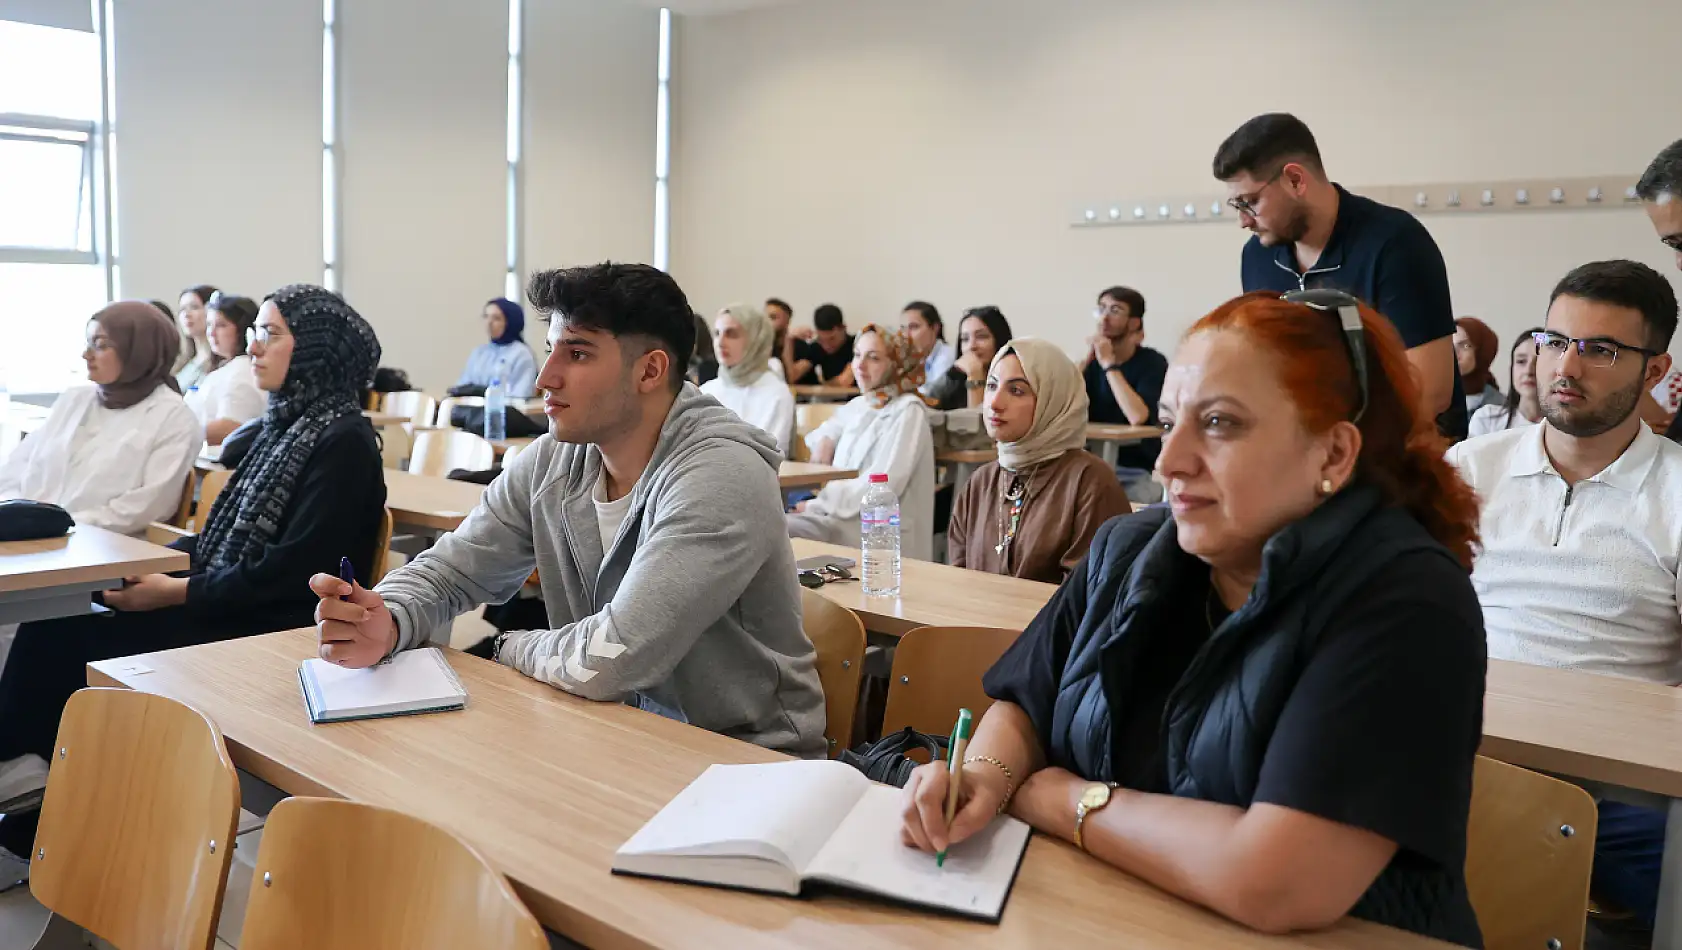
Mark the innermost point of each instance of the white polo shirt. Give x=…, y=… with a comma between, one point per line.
x=1584, y=577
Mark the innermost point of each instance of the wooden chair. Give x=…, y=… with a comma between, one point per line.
x=184, y=508
x=936, y=672
x=838, y=635
x=382, y=547
x=210, y=488
x=418, y=406
x=138, y=822
x=446, y=408
x=512, y=451
x=438, y=451
x=1529, y=851
x=336, y=875
x=395, y=444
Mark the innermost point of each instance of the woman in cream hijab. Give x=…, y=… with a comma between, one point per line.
x=1033, y=512
x=750, y=382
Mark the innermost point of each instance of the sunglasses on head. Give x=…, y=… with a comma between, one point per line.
x=1348, y=311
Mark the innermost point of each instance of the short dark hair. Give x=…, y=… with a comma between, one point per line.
x=1134, y=300
x=625, y=300
x=827, y=317
x=779, y=302
x=1626, y=284
x=931, y=316
x=1265, y=144
x=1664, y=176
x=202, y=291
x=167, y=310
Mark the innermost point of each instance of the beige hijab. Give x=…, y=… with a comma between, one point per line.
x=756, y=351
x=1060, y=404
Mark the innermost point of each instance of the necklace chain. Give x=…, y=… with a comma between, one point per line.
x=1015, y=499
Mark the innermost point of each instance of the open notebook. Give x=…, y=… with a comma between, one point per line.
x=780, y=826
x=418, y=681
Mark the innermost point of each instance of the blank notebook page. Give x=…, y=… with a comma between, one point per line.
x=415, y=680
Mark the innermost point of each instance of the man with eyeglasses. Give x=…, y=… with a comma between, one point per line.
x=1582, y=524
x=1310, y=233
x=1123, y=383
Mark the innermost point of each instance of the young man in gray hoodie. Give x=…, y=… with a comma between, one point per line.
x=654, y=519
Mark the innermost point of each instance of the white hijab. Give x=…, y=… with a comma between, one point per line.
x=1060, y=404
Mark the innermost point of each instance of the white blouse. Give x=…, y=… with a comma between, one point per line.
x=765, y=403
x=118, y=469
x=896, y=440
x=229, y=392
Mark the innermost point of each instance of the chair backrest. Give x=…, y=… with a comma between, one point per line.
x=336, y=875
x=438, y=451
x=936, y=672
x=838, y=635
x=138, y=821
x=395, y=443
x=382, y=546
x=418, y=406
x=447, y=405
x=210, y=488
x=810, y=415
x=184, y=508
x=1529, y=851
x=512, y=451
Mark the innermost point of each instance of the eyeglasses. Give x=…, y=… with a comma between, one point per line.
x=1673, y=241
x=1348, y=310
x=1599, y=353
x=1246, y=204
x=828, y=574
x=266, y=335
x=1113, y=310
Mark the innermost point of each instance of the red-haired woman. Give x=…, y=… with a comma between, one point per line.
x=1266, y=697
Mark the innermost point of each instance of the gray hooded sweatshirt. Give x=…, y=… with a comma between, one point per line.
x=693, y=613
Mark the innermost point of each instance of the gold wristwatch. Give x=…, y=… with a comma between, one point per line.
x=1094, y=797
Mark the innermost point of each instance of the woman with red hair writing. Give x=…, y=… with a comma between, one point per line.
x=1266, y=697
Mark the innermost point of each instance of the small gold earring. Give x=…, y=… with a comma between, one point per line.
x=1326, y=486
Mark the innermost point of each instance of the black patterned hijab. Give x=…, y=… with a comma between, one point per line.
x=334, y=352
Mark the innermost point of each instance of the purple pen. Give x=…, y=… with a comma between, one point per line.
x=347, y=574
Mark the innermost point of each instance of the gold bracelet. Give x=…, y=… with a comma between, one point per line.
x=1010, y=778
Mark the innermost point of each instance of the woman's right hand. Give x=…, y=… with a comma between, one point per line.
x=979, y=796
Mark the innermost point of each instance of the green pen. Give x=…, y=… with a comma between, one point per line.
x=954, y=769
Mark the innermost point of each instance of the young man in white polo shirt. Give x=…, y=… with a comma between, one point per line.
x=1582, y=523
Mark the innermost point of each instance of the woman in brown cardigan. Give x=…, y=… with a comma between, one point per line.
x=1033, y=512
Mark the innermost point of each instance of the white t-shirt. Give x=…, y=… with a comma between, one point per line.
x=766, y=403
x=609, y=514
x=1493, y=418
x=230, y=392
x=1582, y=577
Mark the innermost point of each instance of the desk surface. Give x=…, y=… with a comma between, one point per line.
x=824, y=392
x=934, y=594
x=87, y=555
x=548, y=786
x=811, y=474
x=1110, y=432
x=429, y=501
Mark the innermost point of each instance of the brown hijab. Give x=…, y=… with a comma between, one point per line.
x=1486, y=346
x=147, y=344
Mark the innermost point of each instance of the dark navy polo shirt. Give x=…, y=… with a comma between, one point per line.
x=1384, y=256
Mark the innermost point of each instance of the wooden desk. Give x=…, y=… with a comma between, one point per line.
x=429, y=501
x=934, y=594
x=823, y=393
x=1111, y=437
x=548, y=786
x=810, y=474
x=962, y=463
x=57, y=577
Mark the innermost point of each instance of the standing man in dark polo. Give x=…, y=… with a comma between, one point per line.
x=1660, y=191
x=1309, y=232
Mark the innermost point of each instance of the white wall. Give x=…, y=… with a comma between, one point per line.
x=423, y=125
x=218, y=122
x=869, y=152
x=589, y=158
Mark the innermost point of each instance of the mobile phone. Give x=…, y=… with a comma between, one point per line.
x=820, y=561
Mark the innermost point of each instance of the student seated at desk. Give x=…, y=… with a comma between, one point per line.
x=654, y=519
x=1123, y=380
x=505, y=357
x=980, y=334
x=1582, y=524
x=1033, y=512
x=827, y=358
x=1267, y=697
x=196, y=359
x=1475, y=346
x=750, y=382
x=310, y=490
x=920, y=321
x=229, y=397
x=115, y=454
x=1521, y=406
x=885, y=429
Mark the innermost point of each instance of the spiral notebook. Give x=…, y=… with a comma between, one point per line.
x=418, y=681
x=787, y=827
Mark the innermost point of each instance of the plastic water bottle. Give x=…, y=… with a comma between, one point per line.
x=496, y=423
x=879, y=535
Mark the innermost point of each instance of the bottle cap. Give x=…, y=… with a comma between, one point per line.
x=878, y=478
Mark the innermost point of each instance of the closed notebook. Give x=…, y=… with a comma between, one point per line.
x=418, y=681
x=786, y=826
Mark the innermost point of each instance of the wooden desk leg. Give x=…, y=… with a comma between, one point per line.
x=1667, y=929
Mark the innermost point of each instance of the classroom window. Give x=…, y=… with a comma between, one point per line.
x=55, y=270
x=663, y=146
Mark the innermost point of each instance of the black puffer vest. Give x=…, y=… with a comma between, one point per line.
x=1222, y=713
